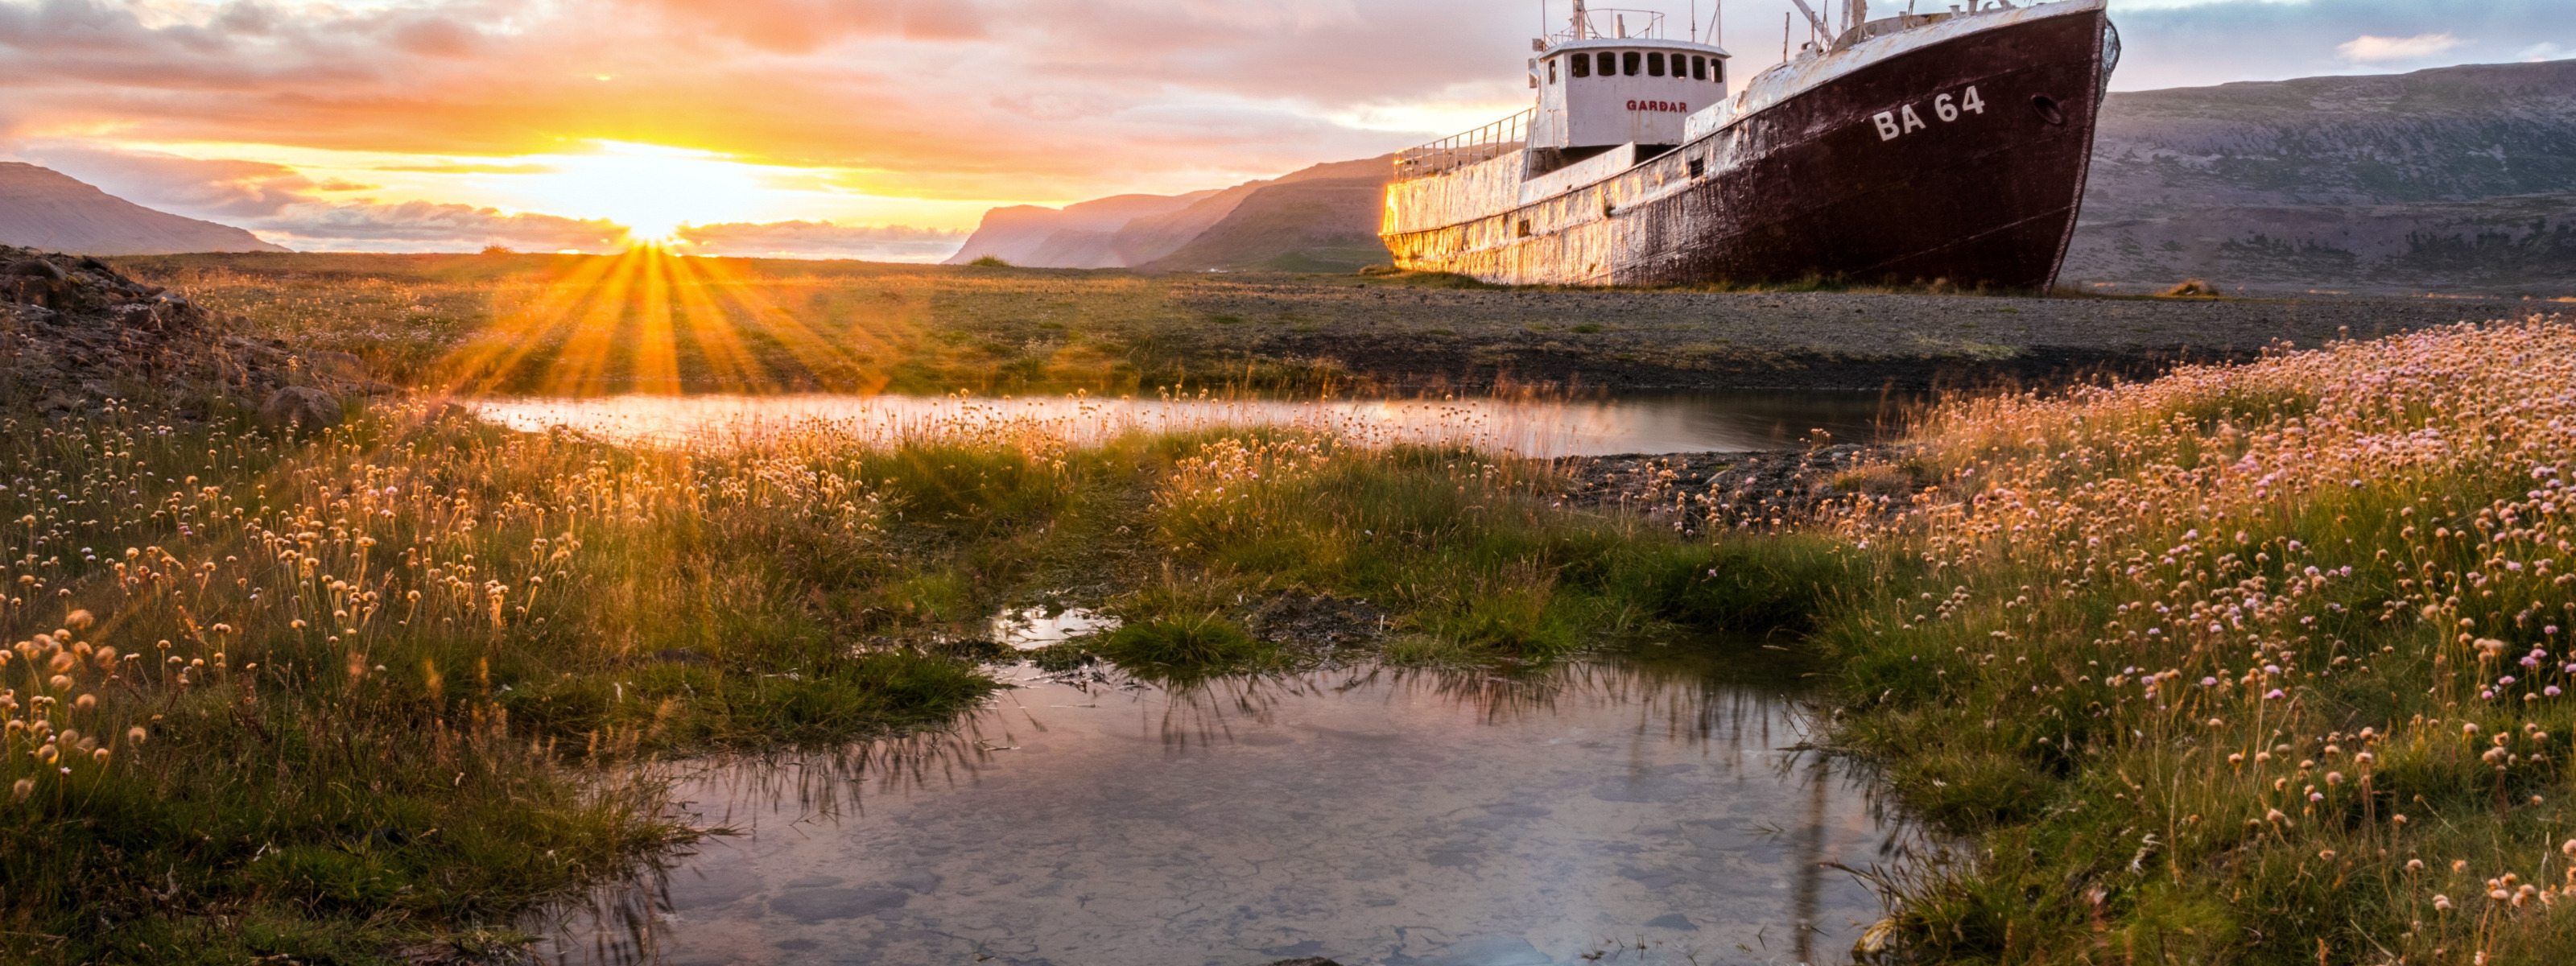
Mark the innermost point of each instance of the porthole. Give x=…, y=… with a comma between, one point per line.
x=2048, y=109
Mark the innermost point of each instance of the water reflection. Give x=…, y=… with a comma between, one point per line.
x=1655, y=809
x=1630, y=423
x=1030, y=628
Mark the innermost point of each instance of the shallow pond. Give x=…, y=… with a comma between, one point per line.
x=1647, y=809
x=1637, y=423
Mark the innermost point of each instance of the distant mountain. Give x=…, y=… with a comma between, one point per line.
x=46, y=209
x=1075, y=236
x=2458, y=177
x=1323, y=218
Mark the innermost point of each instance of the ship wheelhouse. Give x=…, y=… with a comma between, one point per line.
x=1604, y=88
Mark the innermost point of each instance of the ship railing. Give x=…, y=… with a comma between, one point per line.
x=1611, y=24
x=1460, y=150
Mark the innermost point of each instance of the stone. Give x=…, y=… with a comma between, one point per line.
x=302, y=407
x=337, y=365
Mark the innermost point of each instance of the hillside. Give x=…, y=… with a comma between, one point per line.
x=1309, y=225
x=2449, y=134
x=1075, y=236
x=1319, y=218
x=45, y=209
x=2454, y=178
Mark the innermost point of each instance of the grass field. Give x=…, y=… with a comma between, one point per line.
x=2248, y=665
x=643, y=322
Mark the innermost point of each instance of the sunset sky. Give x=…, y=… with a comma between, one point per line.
x=881, y=129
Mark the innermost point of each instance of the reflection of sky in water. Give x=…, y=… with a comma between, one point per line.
x=1657, y=423
x=1370, y=816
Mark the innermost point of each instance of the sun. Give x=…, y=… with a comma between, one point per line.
x=651, y=189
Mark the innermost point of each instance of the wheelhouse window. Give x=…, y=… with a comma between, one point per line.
x=1632, y=59
x=1717, y=69
x=1581, y=63
x=1551, y=71
x=1609, y=64
x=1654, y=63
x=1699, y=67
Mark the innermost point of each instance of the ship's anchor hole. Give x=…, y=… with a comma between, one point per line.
x=2048, y=109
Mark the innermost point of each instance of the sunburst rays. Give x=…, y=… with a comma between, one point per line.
x=651, y=321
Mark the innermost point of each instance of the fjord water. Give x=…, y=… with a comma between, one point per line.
x=1652, y=808
x=1545, y=427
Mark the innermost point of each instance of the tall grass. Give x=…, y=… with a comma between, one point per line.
x=279, y=695
x=2259, y=664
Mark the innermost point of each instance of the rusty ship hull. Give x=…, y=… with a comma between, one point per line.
x=1956, y=157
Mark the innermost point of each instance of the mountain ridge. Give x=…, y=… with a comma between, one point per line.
x=46, y=209
x=1173, y=232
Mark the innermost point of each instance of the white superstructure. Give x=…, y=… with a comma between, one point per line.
x=1611, y=78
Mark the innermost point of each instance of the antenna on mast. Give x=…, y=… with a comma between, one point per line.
x=1694, y=21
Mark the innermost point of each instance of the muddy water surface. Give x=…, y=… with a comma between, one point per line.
x=1643, y=809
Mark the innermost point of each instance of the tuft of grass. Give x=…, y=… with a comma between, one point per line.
x=1185, y=643
x=989, y=261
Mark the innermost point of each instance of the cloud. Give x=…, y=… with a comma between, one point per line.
x=466, y=168
x=822, y=239
x=422, y=226
x=2369, y=49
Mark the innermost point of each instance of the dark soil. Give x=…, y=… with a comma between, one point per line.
x=1318, y=623
x=1760, y=489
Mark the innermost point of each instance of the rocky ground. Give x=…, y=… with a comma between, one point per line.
x=75, y=334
